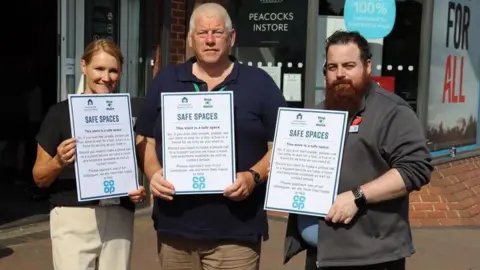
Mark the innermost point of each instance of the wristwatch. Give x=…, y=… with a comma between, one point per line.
x=360, y=199
x=256, y=177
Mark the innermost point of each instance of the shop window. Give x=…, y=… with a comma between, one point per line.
x=453, y=99
x=395, y=57
x=272, y=35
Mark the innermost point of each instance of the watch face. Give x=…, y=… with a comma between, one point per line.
x=357, y=194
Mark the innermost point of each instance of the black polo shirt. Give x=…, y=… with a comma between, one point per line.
x=54, y=130
x=215, y=217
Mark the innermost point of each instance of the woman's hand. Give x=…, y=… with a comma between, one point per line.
x=137, y=196
x=66, y=151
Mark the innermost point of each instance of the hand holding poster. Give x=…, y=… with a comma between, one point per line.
x=198, y=141
x=306, y=161
x=105, y=162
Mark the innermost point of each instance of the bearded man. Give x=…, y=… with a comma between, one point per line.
x=385, y=158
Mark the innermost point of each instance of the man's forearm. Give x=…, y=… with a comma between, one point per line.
x=261, y=167
x=389, y=186
x=151, y=166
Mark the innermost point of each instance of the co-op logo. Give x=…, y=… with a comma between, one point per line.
x=298, y=202
x=198, y=182
x=109, y=186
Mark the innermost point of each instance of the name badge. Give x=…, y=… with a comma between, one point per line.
x=353, y=129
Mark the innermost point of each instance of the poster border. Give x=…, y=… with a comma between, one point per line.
x=339, y=162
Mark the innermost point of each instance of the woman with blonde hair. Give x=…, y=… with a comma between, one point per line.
x=94, y=234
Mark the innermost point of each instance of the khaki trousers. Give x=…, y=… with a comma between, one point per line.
x=183, y=254
x=88, y=238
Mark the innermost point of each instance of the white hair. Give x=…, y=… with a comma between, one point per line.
x=210, y=10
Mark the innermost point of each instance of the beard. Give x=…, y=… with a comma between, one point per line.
x=344, y=95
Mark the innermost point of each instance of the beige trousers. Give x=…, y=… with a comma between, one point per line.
x=91, y=238
x=182, y=254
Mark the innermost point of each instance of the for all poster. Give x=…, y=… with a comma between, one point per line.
x=454, y=69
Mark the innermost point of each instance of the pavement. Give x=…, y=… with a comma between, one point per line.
x=28, y=248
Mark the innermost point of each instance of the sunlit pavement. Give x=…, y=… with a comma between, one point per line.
x=439, y=249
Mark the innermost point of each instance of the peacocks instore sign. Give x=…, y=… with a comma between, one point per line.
x=264, y=23
x=374, y=19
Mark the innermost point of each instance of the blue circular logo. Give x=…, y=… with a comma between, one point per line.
x=374, y=19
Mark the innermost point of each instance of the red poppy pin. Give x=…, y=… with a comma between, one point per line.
x=357, y=121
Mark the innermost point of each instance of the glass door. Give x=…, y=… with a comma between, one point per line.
x=129, y=41
x=82, y=21
x=71, y=14
x=118, y=20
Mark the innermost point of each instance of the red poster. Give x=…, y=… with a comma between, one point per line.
x=387, y=82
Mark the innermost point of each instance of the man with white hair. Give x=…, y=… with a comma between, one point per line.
x=217, y=231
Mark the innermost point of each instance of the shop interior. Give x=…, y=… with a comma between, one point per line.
x=401, y=48
x=30, y=64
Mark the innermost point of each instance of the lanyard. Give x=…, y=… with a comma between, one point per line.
x=197, y=89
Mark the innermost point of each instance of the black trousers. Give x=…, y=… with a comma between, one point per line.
x=311, y=264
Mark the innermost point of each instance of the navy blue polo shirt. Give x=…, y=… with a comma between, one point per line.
x=215, y=217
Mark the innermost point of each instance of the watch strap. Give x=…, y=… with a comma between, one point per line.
x=360, y=199
x=256, y=177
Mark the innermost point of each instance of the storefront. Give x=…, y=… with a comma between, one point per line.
x=44, y=63
x=430, y=58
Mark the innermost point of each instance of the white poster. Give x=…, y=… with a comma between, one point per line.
x=306, y=161
x=275, y=72
x=198, y=141
x=454, y=71
x=105, y=161
x=292, y=86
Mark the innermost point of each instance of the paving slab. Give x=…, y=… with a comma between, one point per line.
x=439, y=249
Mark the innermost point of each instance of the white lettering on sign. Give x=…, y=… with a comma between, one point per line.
x=271, y=27
x=267, y=27
x=282, y=16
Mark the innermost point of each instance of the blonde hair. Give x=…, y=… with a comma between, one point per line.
x=99, y=45
x=210, y=10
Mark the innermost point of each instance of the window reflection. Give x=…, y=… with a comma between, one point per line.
x=400, y=50
x=279, y=53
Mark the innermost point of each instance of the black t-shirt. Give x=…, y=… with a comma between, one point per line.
x=54, y=130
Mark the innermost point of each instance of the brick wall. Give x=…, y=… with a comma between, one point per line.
x=452, y=198
x=178, y=31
